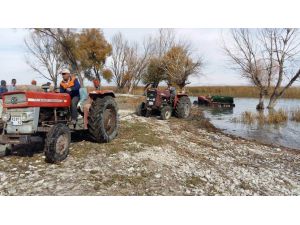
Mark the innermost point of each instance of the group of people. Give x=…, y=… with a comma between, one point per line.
x=4, y=88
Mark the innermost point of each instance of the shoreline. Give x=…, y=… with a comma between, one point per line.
x=233, y=136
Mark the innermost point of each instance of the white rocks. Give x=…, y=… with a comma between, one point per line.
x=130, y=170
x=157, y=175
x=39, y=182
x=3, y=177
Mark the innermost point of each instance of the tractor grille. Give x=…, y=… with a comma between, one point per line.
x=151, y=94
x=15, y=99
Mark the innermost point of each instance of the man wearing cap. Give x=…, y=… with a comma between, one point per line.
x=71, y=85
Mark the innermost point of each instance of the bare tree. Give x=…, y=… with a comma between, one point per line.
x=163, y=42
x=286, y=44
x=253, y=57
x=129, y=61
x=137, y=61
x=267, y=57
x=118, y=60
x=44, y=56
x=66, y=38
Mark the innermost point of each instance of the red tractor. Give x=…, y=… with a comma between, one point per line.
x=30, y=117
x=165, y=103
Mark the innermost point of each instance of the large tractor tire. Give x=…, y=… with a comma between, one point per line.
x=3, y=150
x=183, y=107
x=166, y=113
x=141, y=109
x=57, y=143
x=103, y=121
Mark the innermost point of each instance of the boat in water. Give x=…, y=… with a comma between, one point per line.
x=217, y=101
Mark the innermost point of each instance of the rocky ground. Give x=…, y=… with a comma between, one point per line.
x=155, y=157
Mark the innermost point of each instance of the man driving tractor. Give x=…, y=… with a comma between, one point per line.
x=71, y=85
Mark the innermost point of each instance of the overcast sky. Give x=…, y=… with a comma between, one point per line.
x=207, y=43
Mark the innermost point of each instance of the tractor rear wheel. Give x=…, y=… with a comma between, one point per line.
x=141, y=109
x=183, y=107
x=166, y=113
x=57, y=143
x=103, y=120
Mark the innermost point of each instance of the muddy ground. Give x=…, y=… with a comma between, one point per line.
x=155, y=157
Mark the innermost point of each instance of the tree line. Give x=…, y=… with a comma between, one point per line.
x=268, y=58
x=161, y=57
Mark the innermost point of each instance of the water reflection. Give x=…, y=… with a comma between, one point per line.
x=284, y=134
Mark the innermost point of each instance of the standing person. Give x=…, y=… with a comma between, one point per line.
x=97, y=84
x=87, y=103
x=12, y=87
x=3, y=88
x=172, y=90
x=71, y=85
x=33, y=86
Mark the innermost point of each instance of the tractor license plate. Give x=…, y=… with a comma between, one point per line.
x=16, y=121
x=150, y=103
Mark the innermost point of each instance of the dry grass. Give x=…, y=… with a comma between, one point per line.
x=295, y=115
x=129, y=102
x=235, y=91
x=248, y=117
x=273, y=117
x=277, y=117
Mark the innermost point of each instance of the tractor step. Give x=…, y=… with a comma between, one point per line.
x=19, y=139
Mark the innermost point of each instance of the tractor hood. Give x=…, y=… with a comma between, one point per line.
x=21, y=99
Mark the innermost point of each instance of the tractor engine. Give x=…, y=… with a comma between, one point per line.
x=25, y=112
x=157, y=98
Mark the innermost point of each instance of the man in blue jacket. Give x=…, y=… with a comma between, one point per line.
x=71, y=85
x=3, y=88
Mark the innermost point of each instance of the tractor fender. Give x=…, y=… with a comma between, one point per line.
x=101, y=94
x=177, y=97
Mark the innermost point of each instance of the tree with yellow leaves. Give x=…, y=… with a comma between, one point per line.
x=84, y=51
x=93, y=51
x=179, y=65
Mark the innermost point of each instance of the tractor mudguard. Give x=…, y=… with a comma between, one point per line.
x=101, y=93
x=177, y=97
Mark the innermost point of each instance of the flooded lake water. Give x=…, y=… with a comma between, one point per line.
x=287, y=134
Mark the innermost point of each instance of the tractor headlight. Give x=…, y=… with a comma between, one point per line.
x=27, y=116
x=5, y=117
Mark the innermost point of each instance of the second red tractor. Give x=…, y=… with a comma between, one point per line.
x=165, y=103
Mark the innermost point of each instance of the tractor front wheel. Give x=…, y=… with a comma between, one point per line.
x=183, y=107
x=141, y=109
x=57, y=143
x=103, y=120
x=166, y=113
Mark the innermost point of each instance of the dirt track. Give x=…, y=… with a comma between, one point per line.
x=155, y=157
